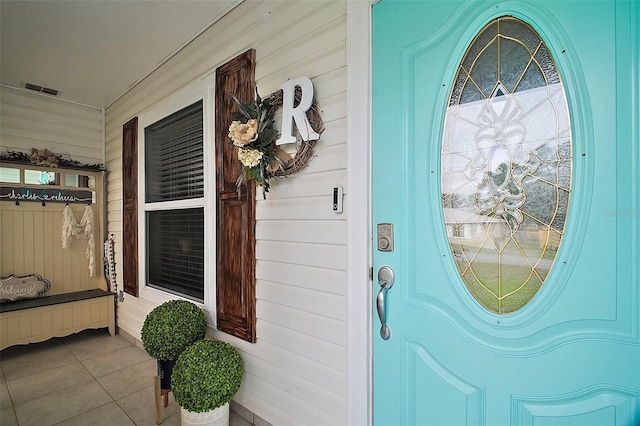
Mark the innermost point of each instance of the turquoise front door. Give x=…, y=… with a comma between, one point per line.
x=506, y=213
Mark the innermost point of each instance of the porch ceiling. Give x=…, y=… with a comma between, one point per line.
x=92, y=52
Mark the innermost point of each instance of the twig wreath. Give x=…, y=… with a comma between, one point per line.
x=254, y=136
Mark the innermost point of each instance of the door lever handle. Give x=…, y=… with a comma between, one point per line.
x=386, y=277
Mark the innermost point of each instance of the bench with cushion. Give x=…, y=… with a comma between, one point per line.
x=30, y=320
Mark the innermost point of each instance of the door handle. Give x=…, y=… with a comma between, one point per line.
x=386, y=277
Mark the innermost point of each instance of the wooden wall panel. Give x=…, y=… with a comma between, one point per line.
x=31, y=241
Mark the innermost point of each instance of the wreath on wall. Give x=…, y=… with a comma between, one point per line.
x=253, y=134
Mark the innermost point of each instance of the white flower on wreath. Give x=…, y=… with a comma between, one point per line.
x=243, y=133
x=249, y=157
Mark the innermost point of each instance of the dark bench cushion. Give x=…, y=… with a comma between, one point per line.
x=53, y=300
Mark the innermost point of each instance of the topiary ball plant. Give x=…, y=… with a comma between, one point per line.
x=206, y=376
x=172, y=327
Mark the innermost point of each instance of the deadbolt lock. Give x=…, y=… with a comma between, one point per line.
x=385, y=237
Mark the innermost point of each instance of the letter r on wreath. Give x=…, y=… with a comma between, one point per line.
x=297, y=113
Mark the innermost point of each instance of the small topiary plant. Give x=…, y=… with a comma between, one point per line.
x=206, y=376
x=172, y=327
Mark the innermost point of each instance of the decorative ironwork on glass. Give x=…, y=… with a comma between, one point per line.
x=506, y=165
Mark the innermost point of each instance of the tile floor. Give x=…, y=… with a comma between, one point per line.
x=90, y=378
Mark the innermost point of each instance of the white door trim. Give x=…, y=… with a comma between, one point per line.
x=358, y=210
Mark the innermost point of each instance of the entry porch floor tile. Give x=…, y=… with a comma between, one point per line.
x=90, y=378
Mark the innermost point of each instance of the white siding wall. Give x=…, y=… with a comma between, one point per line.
x=296, y=372
x=30, y=120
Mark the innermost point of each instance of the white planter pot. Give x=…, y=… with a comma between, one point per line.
x=217, y=417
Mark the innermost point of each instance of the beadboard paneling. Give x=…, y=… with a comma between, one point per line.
x=31, y=243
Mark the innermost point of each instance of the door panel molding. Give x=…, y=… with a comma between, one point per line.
x=598, y=405
x=455, y=395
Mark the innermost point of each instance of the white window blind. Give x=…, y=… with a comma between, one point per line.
x=174, y=157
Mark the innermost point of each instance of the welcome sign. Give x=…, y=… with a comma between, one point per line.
x=16, y=287
x=49, y=195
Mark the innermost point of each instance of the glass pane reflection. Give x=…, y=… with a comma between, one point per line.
x=79, y=181
x=9, y=175
x=506, y=165
x=41, y=177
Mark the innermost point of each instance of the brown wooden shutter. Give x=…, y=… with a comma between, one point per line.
x=130, y=205
x=236, y=252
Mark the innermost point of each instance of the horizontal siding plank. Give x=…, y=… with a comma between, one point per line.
x=312, y=301
x=320, y=255
x=320, y=63
x=268, y=412
x=322, y=327
x=327, y=158
x=113, y=156
x=307, y=184
x=321, y=279
x=303, y=231
x=329, y=79
x=321, y=375
x=33, y=121
x=334, y=108
x=62, y=119
x=307, y=208
x=54, y=136
x=294, y=385
x=297, y=48
x=331, y=83
x=37, y=103
x=116, y=199
x=335, y=133
x=304, y=414
x=329, y=354
x=305, y=30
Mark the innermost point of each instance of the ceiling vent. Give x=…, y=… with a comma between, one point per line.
x=40, y=89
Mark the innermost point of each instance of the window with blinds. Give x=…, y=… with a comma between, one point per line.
x=173, y=156
x=175, y=242
x=174, y=171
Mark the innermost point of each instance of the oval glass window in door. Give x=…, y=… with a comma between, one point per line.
x=506, y=165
